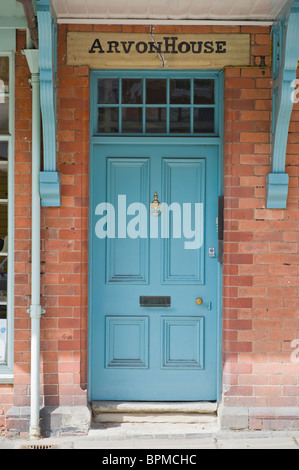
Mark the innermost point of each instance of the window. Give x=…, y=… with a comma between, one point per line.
x=156, y=103
x=6, y=157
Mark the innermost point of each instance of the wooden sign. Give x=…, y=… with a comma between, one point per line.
x=154, y=51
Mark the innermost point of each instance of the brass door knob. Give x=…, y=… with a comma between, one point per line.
x=198, y=301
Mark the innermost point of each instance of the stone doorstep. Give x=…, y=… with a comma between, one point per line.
x=154, y=418
x=78, y=419
x=154, y=412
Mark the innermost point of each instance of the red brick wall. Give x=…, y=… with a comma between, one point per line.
x=260, y=298
x=260, y=281
x=17, y=394
x=65, y=245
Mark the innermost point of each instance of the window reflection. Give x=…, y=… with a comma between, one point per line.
x=3, y=151
x=4, y=115
x=4, y=75
x=156, y=90
x=108, y=91
x=204, y=92
x=108, y=122
x=180, y=120
x=180, y=91
x=204, y=120
x=132, y=120
x=156, y=120
x=132, y=91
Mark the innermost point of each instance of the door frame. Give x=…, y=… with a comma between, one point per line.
x=133, y=140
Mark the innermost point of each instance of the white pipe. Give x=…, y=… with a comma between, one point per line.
x=35, y=307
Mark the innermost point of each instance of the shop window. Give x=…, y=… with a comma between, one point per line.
x=6, y=155
x=140, y=103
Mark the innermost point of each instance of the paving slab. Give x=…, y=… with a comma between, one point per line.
x=269, y=443
x=162, y=436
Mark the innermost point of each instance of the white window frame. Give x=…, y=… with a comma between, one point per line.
x=6, y=369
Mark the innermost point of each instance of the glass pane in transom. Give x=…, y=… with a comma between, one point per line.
x=180, y=120
x=204, y=91
x=108, y=91
x=156, y=90
x=132, y=91
x=156, y=121
x=132, y=120
x=204, y=121
x=108, y=120
x=180, y=91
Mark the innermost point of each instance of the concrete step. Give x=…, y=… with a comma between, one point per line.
x=153, y=412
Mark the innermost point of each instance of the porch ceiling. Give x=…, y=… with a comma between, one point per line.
x=170, y=10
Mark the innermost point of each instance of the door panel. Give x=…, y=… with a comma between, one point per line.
x=183, y=183
x=127, y=342
x=142, y=352
x=127, y=258
x=182, y=342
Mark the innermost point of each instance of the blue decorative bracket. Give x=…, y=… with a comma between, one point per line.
x=49, y=177
x=285, y=61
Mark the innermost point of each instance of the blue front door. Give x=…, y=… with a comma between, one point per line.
x=154, y=275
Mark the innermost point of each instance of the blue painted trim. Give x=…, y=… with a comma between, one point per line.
x=220, y=265
x=277, y=46
x=49, y=189
x=164, y=140
x=277, y=190
x=162, y=74
x=121, y=140
x=43, y=5
x=285, y=57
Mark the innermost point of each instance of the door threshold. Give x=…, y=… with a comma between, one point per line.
x=154, y=412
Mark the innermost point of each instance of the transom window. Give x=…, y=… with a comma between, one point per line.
x=156, y=103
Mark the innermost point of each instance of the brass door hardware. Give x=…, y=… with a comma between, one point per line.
x=155, y=206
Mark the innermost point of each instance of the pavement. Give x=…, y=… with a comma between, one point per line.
x=135, y=437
